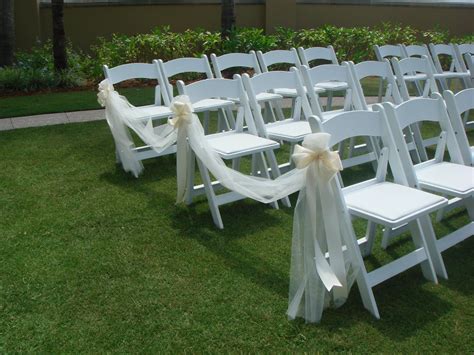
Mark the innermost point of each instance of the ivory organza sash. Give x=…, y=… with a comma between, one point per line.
x=319, y=225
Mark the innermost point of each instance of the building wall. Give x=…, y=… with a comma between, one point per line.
x=458, y=20
x=84, y=23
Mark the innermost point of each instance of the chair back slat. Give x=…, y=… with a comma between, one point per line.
x=131, y=71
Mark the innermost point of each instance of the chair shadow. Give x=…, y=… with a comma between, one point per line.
x=196, y=224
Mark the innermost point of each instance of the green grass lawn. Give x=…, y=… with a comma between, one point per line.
x=94, y=260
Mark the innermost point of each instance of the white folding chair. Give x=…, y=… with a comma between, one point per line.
x=378, y=201
x=455, y=69
x=416, y=66
x=155, y=111
x=461, y=50
x=383, y=72
x=452, y=179
x=230, y=145
x=457, y=104
x=223, y=106
x=247, y=61
x=326, y=54
x=292, y=129
x=390, y=51
x=341, y=73
x=469, y=60
x=282, y=57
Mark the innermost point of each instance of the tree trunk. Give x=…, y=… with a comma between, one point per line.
x=227, y=17
x=7, y=32
x=59, y=36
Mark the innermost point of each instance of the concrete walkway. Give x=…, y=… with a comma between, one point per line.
x=94, y=115
x=51, y=119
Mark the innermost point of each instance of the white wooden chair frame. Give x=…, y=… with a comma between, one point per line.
x=374, y=124
x=250, y=61
x=284, y=129
x=198, y=65
x=331, y=72
x=156, y=111
x=456, y=70
x=419, y=175
x=418, y=66
x=262, y=152
x=328, y=54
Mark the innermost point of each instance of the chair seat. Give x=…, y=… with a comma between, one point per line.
x=211, y=104
x=288, y=130
x=155, y=111
x=230, y=145
x=292, y=92
x=262, y=97
x=451, y=74
x=267, y=96
x=414, y=77
x=453, y=179
x=332, y=85
x=391, y=204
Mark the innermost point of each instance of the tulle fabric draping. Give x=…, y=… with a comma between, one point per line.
x=119, y=114
x=319, y=225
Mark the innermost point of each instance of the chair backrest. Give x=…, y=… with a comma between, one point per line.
x=181, y=66
x=381, y=70
x=461, y=50
x=278, y=56
x=412, y=66
x=267, y=82
x=388, y=51
x=447, y=50
x=416, y=50
x=219, y=87
x=457, y=105
x=234, y=60
x=135, y=71
x=469, y=59
x=363, y=123
x=317, y=53
x=330, y=72
x=421, y=110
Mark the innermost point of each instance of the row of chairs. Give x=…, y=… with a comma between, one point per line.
x=417, y=189
x=459, y=56
x=389, y=131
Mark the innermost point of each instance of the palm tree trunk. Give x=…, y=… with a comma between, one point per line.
x=227, y=17
x=59, y=36
x=7, y=32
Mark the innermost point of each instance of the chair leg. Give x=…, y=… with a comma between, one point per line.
x=206, y=122
x=387, y=233
x=211, y=196
x=117, y=157
x=418, y=138
x=420, y=242
x=190, y=171
x=275, y=173
x=431, y=245
x=370, y=237
x=329, y=101
x=380, y=90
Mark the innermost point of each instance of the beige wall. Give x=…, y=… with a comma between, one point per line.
x=458, y=21
x=85, y=23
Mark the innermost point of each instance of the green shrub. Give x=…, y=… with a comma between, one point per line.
x=34, y=69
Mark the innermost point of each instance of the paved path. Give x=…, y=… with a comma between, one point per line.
x=92, y=115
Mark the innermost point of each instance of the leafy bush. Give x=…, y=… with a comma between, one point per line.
x=34, y=69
